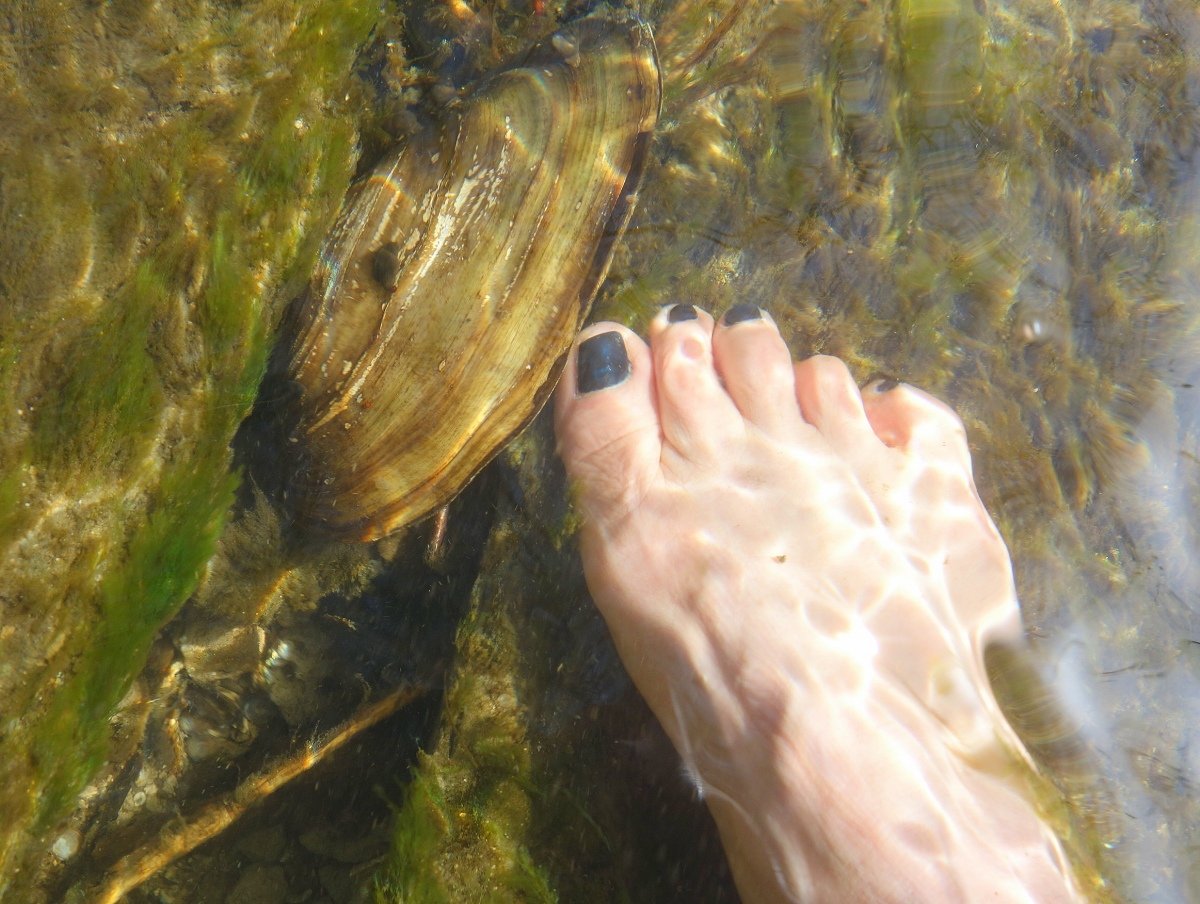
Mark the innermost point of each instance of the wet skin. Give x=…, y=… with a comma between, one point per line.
x=801, y=580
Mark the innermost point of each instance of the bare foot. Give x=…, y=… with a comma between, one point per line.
x=801, y=580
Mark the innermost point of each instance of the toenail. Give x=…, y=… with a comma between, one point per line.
x=740, y=313
x=681, y=312
x=601, y=362
x=882, y=386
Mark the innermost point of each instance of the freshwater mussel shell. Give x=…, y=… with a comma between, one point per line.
x=447, y=296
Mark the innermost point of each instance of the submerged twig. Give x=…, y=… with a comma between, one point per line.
x=132, y=870
x=709, y=45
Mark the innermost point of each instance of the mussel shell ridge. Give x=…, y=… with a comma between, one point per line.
x=449, y=292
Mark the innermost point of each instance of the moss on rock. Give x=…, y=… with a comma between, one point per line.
x=168, y=172
x=463, y=832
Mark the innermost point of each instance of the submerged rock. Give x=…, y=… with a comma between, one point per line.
x=198, y=154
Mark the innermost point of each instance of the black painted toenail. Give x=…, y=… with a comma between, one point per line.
x=681, y=312
x=601, y=362
x=740, y=313
x=885, y=386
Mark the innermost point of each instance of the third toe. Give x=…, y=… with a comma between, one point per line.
x=756, y=366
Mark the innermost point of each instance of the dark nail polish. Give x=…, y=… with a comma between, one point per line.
x=602, y=362
x=740, y=313
x=681, y=312
x=885, y=386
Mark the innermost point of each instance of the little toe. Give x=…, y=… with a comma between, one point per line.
x=697, y=415
x=829, y=400
x=905, y=418
x=952, y=526
x=606, y=422
x=756, y=366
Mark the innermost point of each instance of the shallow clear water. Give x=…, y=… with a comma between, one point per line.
x=997, y=202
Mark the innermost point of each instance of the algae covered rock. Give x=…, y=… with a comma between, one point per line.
x=167, y=172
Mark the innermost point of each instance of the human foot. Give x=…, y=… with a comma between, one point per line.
x=801, y=580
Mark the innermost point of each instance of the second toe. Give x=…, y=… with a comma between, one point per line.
x=697, y=415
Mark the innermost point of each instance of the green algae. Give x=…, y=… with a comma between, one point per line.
x=534, y=787
x=109, y=422
x=153, y=247
x=463, y=830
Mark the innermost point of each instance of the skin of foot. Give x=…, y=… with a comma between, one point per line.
x=801, y=580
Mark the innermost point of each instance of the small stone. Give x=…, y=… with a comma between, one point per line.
x=66, y=845
x=264, y=845
x=339, y=884
x=260, y=885
x=327, y=842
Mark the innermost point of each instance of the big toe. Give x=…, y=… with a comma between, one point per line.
x=606, y=420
